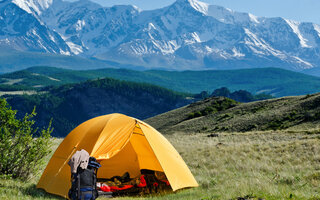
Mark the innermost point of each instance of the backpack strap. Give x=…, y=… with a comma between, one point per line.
x=94, y=185
x=78, y=186
x=96, y=195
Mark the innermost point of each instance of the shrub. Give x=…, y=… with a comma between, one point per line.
x=208, y=110
x=218, y=105
x=197, y=114
x=190, y=116
x=22, y=147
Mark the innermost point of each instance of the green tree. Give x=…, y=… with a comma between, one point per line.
x=22, y=147
x=242, y=96
x=221, y=92
x=202, y=95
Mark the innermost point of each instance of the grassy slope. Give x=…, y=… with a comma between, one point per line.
x=269, y=165
x=282, y=113
x=269, y=80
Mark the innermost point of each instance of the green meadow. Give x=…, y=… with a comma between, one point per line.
x=270, y=165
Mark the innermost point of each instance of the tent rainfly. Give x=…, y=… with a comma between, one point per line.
x=121, y=144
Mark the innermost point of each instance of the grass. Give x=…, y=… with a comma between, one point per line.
x=297, y=112
x=271, y=165
x=17, y=93
x=267, y=165
x=216, y=106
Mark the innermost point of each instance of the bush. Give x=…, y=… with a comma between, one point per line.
x=208, y=110
x=240, y=95
x=190, y=116
x=218, y=105
x=197, y=114
x=22, y=147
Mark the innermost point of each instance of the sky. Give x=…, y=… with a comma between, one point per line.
x=299, y=10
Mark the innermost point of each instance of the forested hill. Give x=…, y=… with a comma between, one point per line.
x=277, y=82
x=71, y=104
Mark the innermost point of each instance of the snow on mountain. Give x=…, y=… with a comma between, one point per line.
x=33, y=6
x=20, y=30
x=197, y=5
x=188, y=34
x=87, y=27
x=229, y=16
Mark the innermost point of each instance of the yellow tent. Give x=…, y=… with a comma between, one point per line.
x=121, y=144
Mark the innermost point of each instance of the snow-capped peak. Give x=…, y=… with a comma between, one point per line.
x=229, y=16
x=222, y=14
x=31, y=6
x=317, y=28
x=197, y=5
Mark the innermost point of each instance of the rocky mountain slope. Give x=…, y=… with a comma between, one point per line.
x=21, y=30
x=222, y=114
x=188, y=34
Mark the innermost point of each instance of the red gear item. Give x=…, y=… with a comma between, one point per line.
x=167, y=182
x=143, y=182
x=115, y=188
x=105, y=188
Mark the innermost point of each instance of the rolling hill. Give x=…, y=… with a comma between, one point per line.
x=274, y=81
x=220, y=114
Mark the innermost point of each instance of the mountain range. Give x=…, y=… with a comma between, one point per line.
x=188, y=34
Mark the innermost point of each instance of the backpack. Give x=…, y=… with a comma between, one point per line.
x=83, y=183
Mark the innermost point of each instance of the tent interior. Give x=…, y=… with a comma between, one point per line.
x=134, y=156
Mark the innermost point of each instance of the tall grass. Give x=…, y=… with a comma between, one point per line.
x=257, y=165
x=266, y=165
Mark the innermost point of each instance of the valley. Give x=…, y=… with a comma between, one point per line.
x=274, y=81
x=69, y=97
